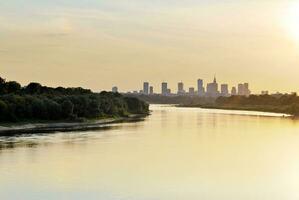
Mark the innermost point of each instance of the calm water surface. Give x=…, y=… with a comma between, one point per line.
x=175, y=154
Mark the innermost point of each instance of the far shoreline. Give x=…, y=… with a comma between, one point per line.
x=238, y=109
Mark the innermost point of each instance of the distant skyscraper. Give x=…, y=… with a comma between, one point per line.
x=234, y=91
x=212, y=89
x=181, y=88
x=151, y=90
x=191, y=91
x=241, y=89
x=164, y=88
x=246, y=86
x=224, y=90
x=115, y=89
x=145, y=88
x=200, y=88
x=247, y=92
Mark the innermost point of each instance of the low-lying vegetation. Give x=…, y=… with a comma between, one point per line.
x=288, y=104
x=37, y=102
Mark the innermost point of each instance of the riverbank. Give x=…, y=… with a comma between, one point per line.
x=270, y=109
x=10, y=129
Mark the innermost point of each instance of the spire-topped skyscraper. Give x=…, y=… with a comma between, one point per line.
x=212, y=88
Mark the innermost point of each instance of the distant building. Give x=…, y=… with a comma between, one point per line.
x=191, y=91
x=181, y=88
x=240, y=89
x=114, y=89
x=212, y=89
x=146, y=88
x=168, y=91
x=243, y=89
x=265, y=92
x=164, y=88
x=151, y=90
x=200, y=88
x=224, y=90
x=234, y=91
x=247, y=92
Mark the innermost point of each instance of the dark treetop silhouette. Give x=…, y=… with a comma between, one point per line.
x=37, y=102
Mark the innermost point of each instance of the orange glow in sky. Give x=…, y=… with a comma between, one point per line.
x=100, y=44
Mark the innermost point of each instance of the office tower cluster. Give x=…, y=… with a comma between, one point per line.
x=212, y=89
x=147, y=89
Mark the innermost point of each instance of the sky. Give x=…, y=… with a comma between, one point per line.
x=98, y=44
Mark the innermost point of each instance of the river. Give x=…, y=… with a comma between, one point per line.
x=174, y=154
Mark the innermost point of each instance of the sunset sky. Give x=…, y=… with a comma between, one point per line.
x=101, y=43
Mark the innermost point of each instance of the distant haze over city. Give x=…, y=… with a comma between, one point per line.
x=97, y=44
x=201, y=88
x=210, y=89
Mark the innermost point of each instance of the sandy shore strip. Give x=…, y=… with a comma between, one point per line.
x=32, y=128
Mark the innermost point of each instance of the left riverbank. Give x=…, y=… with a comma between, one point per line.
x=11, y=129
x=35, y=108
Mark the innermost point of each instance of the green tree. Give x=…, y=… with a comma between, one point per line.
x=2, y=80
x=67, y=108
x=3, y=110
x=12, y=87
x=93, y=109
x=53, y=110
x=33, y=88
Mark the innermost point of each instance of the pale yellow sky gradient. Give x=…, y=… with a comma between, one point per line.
x=101, y=44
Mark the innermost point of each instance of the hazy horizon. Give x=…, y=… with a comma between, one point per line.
x=100, y=44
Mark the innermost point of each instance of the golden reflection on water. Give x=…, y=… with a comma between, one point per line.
x=176, y=153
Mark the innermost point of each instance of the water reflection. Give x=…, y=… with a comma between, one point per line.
x=66, y=137
x=175, y=153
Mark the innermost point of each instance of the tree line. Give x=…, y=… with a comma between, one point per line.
x=37, y=102
x=283, y=103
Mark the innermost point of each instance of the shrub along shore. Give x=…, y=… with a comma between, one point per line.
x=36, y=103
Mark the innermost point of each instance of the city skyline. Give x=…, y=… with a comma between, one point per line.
x=105, y=43
x=149, y=99
x=212, y=89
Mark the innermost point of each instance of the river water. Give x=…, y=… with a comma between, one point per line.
x=174, y=154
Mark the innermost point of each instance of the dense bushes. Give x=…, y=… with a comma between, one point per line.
x=37, y=102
